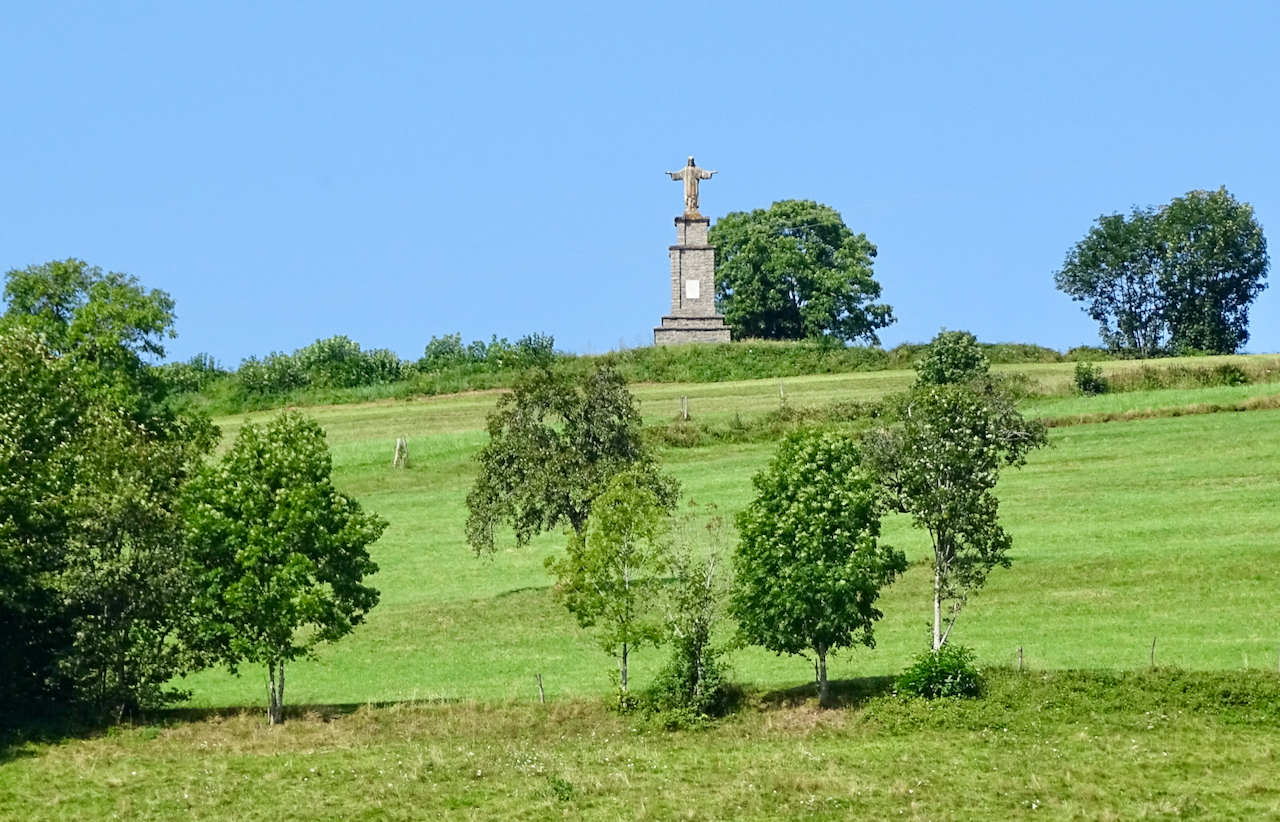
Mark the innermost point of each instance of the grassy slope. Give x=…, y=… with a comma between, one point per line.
x=1037, y=747
x=1122, y=532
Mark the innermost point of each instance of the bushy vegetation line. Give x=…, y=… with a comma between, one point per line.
x=337, y=370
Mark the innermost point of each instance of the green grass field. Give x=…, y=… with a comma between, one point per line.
x=1037, y=746
x=1158, y=528
x=1123, y=532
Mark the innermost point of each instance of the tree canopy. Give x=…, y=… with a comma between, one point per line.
x=278, y=555
x=105, y=320
x=1176, y=279
x=795, y=271
x=951, y=357
x=92, y=591
x=555, y=442
x=809, y=563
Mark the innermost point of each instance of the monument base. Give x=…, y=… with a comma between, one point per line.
x=681, y=330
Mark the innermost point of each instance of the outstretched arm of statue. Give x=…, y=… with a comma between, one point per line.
x=675, y=175
x=705, y=175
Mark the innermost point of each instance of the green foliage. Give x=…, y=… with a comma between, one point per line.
x=275, y=373
x=611, y=576
x=809, y=565
x=694, y=683
x=1179, y=279
x=952, y=357
x=1089, y=380
x=107, y=323
x=940, y=467
x=195, y=375
x=107, y=318
x=91, y=584
x=124, y=586
x=278, y=555
x=39, y=417
x=555, y=443
x=947, y=672
x=338, y=362
x=795, y=271
x=448, y=353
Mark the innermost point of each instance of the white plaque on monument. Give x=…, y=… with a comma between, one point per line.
x=691, y=289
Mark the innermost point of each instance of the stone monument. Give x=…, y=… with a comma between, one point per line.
x=693, y=315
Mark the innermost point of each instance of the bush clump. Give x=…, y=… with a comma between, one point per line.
x=192, y=376
x=1089, y=379
x=952, y=357
x=948, y=671
x=447, y=353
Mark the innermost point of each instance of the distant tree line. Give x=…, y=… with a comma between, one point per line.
x=339, y=362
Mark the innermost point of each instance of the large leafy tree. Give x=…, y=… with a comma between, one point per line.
x=795, y=271
x=123, y=583
x=809, y=564
x=278, y=555
x=40, y=412
x=106, y=321
x=555, y=442
x=90, y=541
x=1215, y=265
x=610, y=577
x=1179, y=278
x=940, y=466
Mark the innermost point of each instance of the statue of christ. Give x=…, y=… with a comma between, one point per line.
x=691, y=174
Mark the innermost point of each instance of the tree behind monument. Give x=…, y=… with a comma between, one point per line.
x=795, y=271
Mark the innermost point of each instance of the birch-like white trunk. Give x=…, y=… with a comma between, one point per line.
x=824, y=686
x=937, y=607
x=275, y=692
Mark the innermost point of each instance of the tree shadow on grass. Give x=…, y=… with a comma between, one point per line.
x=845, y=693
x=322, y=712
x=23, y=734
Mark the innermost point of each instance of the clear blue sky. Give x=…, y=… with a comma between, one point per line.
x=392, y=171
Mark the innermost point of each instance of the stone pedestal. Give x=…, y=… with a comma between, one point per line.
x=693, y=315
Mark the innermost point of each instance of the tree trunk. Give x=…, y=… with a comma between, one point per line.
x=622, y=667
x=824, y=687
x=937, y=607
x=275, y=692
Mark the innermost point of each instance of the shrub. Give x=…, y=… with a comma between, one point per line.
x=952, y=357
x=447, y=353
x=1089, y=379
x=948, y=671
x=338, y=362
x=443, y=353
x=276, y=373
x=196, y=374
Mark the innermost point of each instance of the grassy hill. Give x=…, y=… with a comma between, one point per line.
x=1161, y=526
x=1123, y=532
